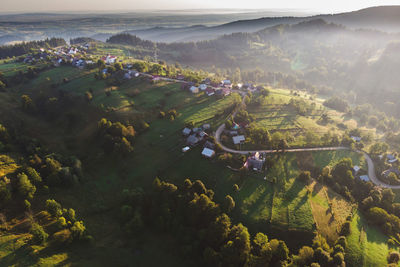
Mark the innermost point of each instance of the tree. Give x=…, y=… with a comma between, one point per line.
x=236, y=251
x=61, y=222
x=38, y=233
x=338, y=258
x=78, y=230
x=394, y=257
x=236, y=189
x=305, y=256
x=5, y=193
x=229, y=203
x=218, y=231
x=53, y=207
x=33, y=175
x=88, y=96
x=305, y=177
x=25, y=187
x=27, y=103
x=378, y=148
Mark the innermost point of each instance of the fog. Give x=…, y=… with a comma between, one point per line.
x=129, y=5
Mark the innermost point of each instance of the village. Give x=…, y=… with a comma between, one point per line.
x=78, y=56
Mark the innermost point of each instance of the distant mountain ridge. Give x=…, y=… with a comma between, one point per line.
x=382, y=18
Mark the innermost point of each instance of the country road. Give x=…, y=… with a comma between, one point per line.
x=371, y=166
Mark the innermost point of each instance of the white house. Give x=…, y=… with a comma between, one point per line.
x=208, y=153
x=238, y=139
x=365, y=178
x=111, y=59
x=356, y=168
x=185, y=149
x=194, y=89
x=203, y=87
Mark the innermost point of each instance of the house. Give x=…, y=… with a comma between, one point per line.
x=226, y=91
x=104, y=71
x=233, y=133
x=238, y=139
x=356, y=138
x=391, y=158
x=208, y=153
x=210, y=91
x=185, y=149
x=186, y=131
x=196, y=130
x=254, y=162
x=207, y=81
x=155, y=78
x=192, y=140
x=209, y=145
x=203, y=87
x=235, y=126
x=202, y=134
x=364, y=178
x=206, y=126
x=239, y=86
x=180, y=77
x=134, y=73
x=111, y=59
x=356, y=169
x=194, y=89
x=127, y=76
x=226, y=83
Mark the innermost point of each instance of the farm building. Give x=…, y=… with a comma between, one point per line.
x=208, y=153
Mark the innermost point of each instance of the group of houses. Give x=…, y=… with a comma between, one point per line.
x=195, y=136
x=209, y=88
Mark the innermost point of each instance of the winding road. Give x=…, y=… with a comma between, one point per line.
x=370, y=163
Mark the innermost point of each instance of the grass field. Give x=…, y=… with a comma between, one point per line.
x=367, y=246
x=276, y=115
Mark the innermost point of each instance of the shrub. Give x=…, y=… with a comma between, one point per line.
x=53, y=207
x=39, y=235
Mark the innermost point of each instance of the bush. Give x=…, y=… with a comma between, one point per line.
x=53, y=207
x=346, y=228
x=25, y=187
x=78, y=230
x=39, y=235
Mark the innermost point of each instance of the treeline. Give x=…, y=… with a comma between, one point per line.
x=25, y=47
x=80, y=40
x=205, y=232
x=128, y=39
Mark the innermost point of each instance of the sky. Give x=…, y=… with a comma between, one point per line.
x=323, y=6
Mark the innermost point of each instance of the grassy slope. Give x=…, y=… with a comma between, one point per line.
x=257, y=201
x=367, y=246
